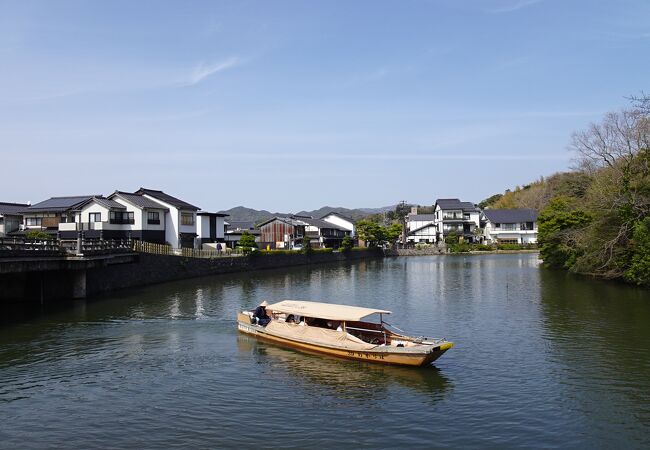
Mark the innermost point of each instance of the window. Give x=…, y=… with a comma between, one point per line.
x=33, y=221
x=187, y=219
x=153, y=218
x=120, y=217
x=95, y=217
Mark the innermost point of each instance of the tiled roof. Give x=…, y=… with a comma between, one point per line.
x=160, y=195
x=421, y=217
x=59, y=204
x=105, y=202
x=510, y=215
x=12, y=208
x=454, y=203
x=138, y=200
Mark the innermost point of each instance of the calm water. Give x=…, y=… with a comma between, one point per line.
x=541, y=360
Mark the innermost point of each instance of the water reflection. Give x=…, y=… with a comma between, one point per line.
x=341, y=378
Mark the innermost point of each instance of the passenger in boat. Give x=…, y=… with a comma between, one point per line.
x=290, y=319
x=261, y=315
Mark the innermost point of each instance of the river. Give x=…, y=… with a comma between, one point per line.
x=542, y=360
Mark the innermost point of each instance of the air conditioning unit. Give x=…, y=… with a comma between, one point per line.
x=21, y=227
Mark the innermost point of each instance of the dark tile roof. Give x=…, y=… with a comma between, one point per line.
x=105, y=202
x=510, y=215
x=319, y=223
x=454, y=203
x=421, y=217
x=240, y=225
x=160, y=195
x=138, y=200
x=287, y=220
x=12, y=208
x=60, y=204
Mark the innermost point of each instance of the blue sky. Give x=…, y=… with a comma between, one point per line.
x=296, y=105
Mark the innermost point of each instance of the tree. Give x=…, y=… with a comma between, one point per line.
x=558, y=223
x=393, y=232
x=346, y=244
x=247, y=242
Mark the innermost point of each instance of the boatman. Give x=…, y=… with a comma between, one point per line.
x=261, y=315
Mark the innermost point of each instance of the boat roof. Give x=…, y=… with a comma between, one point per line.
x=324, y=310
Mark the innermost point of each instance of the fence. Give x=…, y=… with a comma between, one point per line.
x=162, y=249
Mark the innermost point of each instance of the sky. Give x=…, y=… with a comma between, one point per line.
x=294, y=105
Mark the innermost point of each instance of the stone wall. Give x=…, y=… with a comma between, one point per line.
x=151, y=269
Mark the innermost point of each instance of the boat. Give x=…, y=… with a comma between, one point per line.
x=343, y=331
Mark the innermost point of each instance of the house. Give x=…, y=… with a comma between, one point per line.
x=47, y=215
x=510, y=226
x=11, y=217
x=141, y=218
x=341, y=221
x=210, y=227
x=455, y=217
x=425, y=234
x=327, y=234
x=180, y=218
x=235, y=229
x=282, y=232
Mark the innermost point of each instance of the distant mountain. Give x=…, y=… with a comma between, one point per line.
x=241, y=213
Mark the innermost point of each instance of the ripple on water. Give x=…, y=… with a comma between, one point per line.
x=541, y=360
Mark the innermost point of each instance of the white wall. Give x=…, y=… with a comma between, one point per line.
x=341, y=222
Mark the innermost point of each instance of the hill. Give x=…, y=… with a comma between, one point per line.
x=241, y=213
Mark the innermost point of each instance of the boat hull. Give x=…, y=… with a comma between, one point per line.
x=376, y=356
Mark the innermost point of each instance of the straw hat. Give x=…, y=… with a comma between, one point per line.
x=264, y=303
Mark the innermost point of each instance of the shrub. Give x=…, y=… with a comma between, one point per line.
x=35, y=234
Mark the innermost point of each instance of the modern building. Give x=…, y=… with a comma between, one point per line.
x=11, y=217
x=510, y=226
x=282, y=232
x=323, y=233
x=47, y=215
x=210, y=227
x=141, y=218
x=180, y=218
x=425, y=234
x=455, y=217
x=341, y=221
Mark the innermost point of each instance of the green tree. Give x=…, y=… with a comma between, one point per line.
x=247, y=242
x=346, y=244
x=306, y=245
x=558, y=224
x=639, y=270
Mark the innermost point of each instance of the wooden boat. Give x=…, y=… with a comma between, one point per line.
x=342, y=331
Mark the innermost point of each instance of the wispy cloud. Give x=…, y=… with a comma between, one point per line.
x=204, y=70
x=513, y=6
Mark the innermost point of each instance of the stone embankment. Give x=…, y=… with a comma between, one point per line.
x=49, y=278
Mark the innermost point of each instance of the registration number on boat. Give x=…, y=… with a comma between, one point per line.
x=366, y=355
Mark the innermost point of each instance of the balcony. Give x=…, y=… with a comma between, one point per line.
x=153, y=221
x=122, y=221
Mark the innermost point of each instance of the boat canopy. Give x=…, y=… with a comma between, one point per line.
x=324, y=310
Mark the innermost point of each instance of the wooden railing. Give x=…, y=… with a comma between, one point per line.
x=162, y=249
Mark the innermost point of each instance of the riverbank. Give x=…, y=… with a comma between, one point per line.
x=38, y=284
x=437, y=251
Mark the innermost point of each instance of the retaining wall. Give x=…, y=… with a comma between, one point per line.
x=151, y=269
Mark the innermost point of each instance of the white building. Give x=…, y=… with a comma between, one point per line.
x=180, y=219
x=454, y=216
x=425, y=234
x=510, y=226
x=210, y=228
x=340, y=221
x=11, y=217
